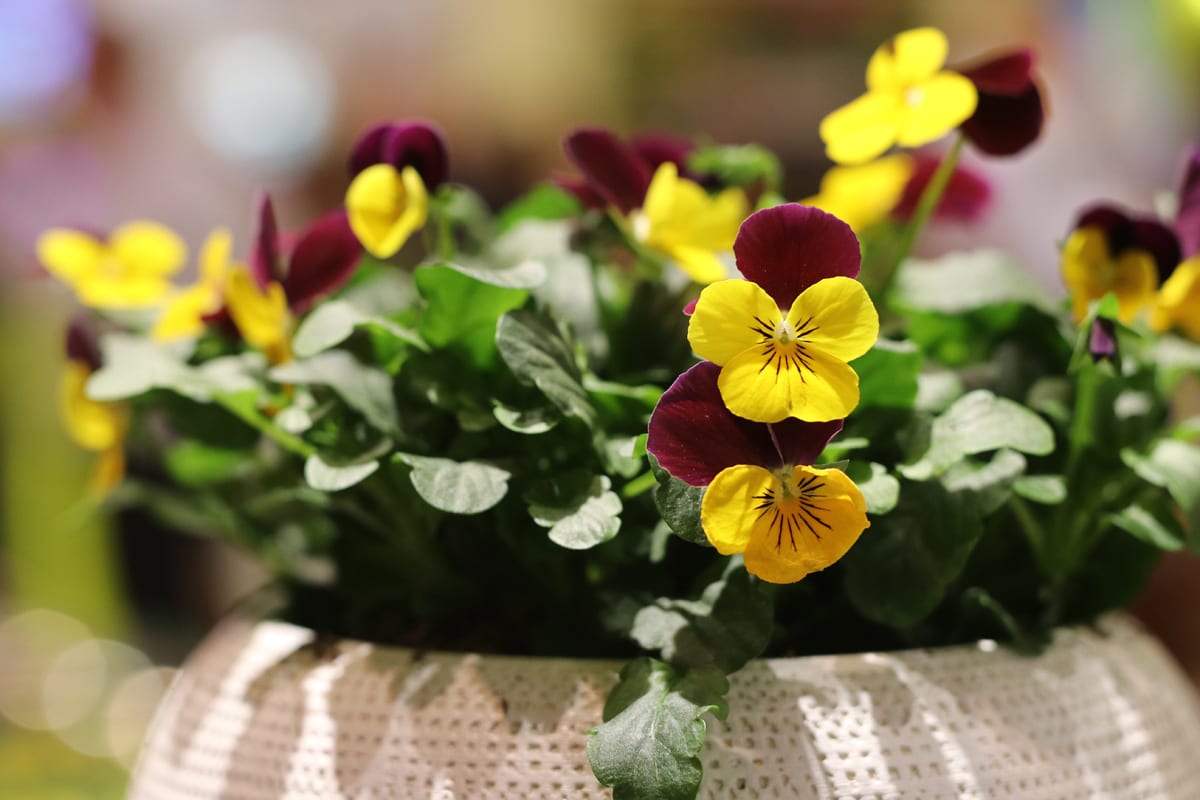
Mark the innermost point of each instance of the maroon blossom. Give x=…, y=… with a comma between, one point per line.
x=787, y=248
x=1010, y=112
x=323, y=257
x=965, y=198
x=413, y=143
x=1124, y=232
x=694, y=436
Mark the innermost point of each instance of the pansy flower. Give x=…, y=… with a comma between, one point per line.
x=783, y=336
x=660, y=207
x=764, y=497
x=1010, y=113
x=910, y=101
x=1178, y=303
x=1109, y=251
x=93, y=425
x=394, y=168
x=131, y=268
x=263, y=298
x=185, y=312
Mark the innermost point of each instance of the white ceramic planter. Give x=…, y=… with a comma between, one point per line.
x=260, y=711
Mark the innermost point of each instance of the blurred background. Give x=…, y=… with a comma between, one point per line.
x=113, y=110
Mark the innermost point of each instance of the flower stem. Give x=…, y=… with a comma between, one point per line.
x=924, y=210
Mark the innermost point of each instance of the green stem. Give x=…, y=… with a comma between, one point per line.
x=251, y=417
x=924, y=210
x=1034, y=532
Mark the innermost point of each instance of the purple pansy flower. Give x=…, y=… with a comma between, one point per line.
x=416, y=143
x=1010, y=112
x=1125, y=232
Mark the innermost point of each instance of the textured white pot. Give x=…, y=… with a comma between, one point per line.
x=261, y=711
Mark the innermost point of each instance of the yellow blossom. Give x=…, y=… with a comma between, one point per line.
x=261, y=316
x=1090, y=271
x=385, y=207
x=131, y=269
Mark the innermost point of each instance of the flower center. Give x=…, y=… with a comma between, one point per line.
x=784, y=345
x=791, y=508
x=640, y=223
x=913, y=96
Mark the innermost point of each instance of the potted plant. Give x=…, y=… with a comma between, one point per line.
x=652, y=433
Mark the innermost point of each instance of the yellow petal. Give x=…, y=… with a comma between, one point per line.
x=183, y=315
x=1179, y=300
x=702, y=266
x=108, y=472
x=731, y=316
x=772, y=382
x=863, y=128
x=91, y=424
x=816, y=526
x=68, y=254
x=1085, y=268
x=726, y=510
x=102, y=291
x=906, y=58
x=679, y=218
x=1134, y=283
x=836, y=316
x=147, y=250
x=261, y=317
x=865, y=194
x=215, y=258
x=386, y=207
x=935, y=107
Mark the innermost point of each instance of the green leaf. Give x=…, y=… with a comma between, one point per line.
x=1049, y=490
x=880, y=489
x=583, y=520
x=729, y=624
x=462, y=310
x=1174, y=466
x=545, y=201
x=193, y=463
x=366, y=389
x=468, y=487
x=537, y=353
x=898, y=571
x=678, y=504
x=332, y=323
x=937, y=389
x=527, y=420
x=964, y=281
x=976, y=423
x=988, y=485
x=526, y=273
x=134, y=366
x=1175, y=357
x=738, y=165
x=1161, y=530
x=887, y=375
x=653, y=730
x=333, y=478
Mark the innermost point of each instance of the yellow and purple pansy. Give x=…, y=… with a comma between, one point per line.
x=911, y=100
x=782, y=337
x=393, y=166
x=659, y=202
x=1109, y=251
x=764, y=497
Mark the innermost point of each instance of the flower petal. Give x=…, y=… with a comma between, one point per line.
x=820, y=529
x=69, y=254
x=1161, y=243
x=324, y=258
x=726, y=510
x=147, y=250
x=266, y=259
x=261, y=316
x=182, y=316
x=417, y=144
x=965, y=197
x=1179, y=301
x=1187, y=221
x=1084, y=258
x=788, y=248
x=611, y=166
x=1135, y=283
x=1004, y=125
x=862, y=129
x=935, y=107
x=864, y=194
x=82, y=343
x=91, y=424
x=906, y=58
x=215, y=256
x=694, y=436
x=731, y=316
x=836, y=316
x=680, y=219
x=1009, y=73
x=766, y=384
x=385, y=207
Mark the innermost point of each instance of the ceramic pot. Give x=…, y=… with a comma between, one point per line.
x=267, y=710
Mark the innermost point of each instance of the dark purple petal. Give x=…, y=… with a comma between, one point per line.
x=323, y=260
x=1102, y=341
x=694, y=436
x=612, y=168
x=1010, y=113
x=581, y=189
x=788, y=248
x=416, y=144
x=266, y=262
x=83, y=343
x=1123, y=232
x=657, y=149
x=965, y=198
x=1010, y=73
x=1187, y=221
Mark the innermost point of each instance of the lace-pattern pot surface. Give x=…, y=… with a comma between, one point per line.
x=265, y=710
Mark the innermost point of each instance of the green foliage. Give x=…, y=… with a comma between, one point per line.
x=654, y=728
x=470, y=487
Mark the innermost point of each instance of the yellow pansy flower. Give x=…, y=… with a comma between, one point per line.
x=260, y=314
x=385, y=207
x=1091, y=271
x=183, y=314
x=864, y=194
x=910, y=100
x=131, y=269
